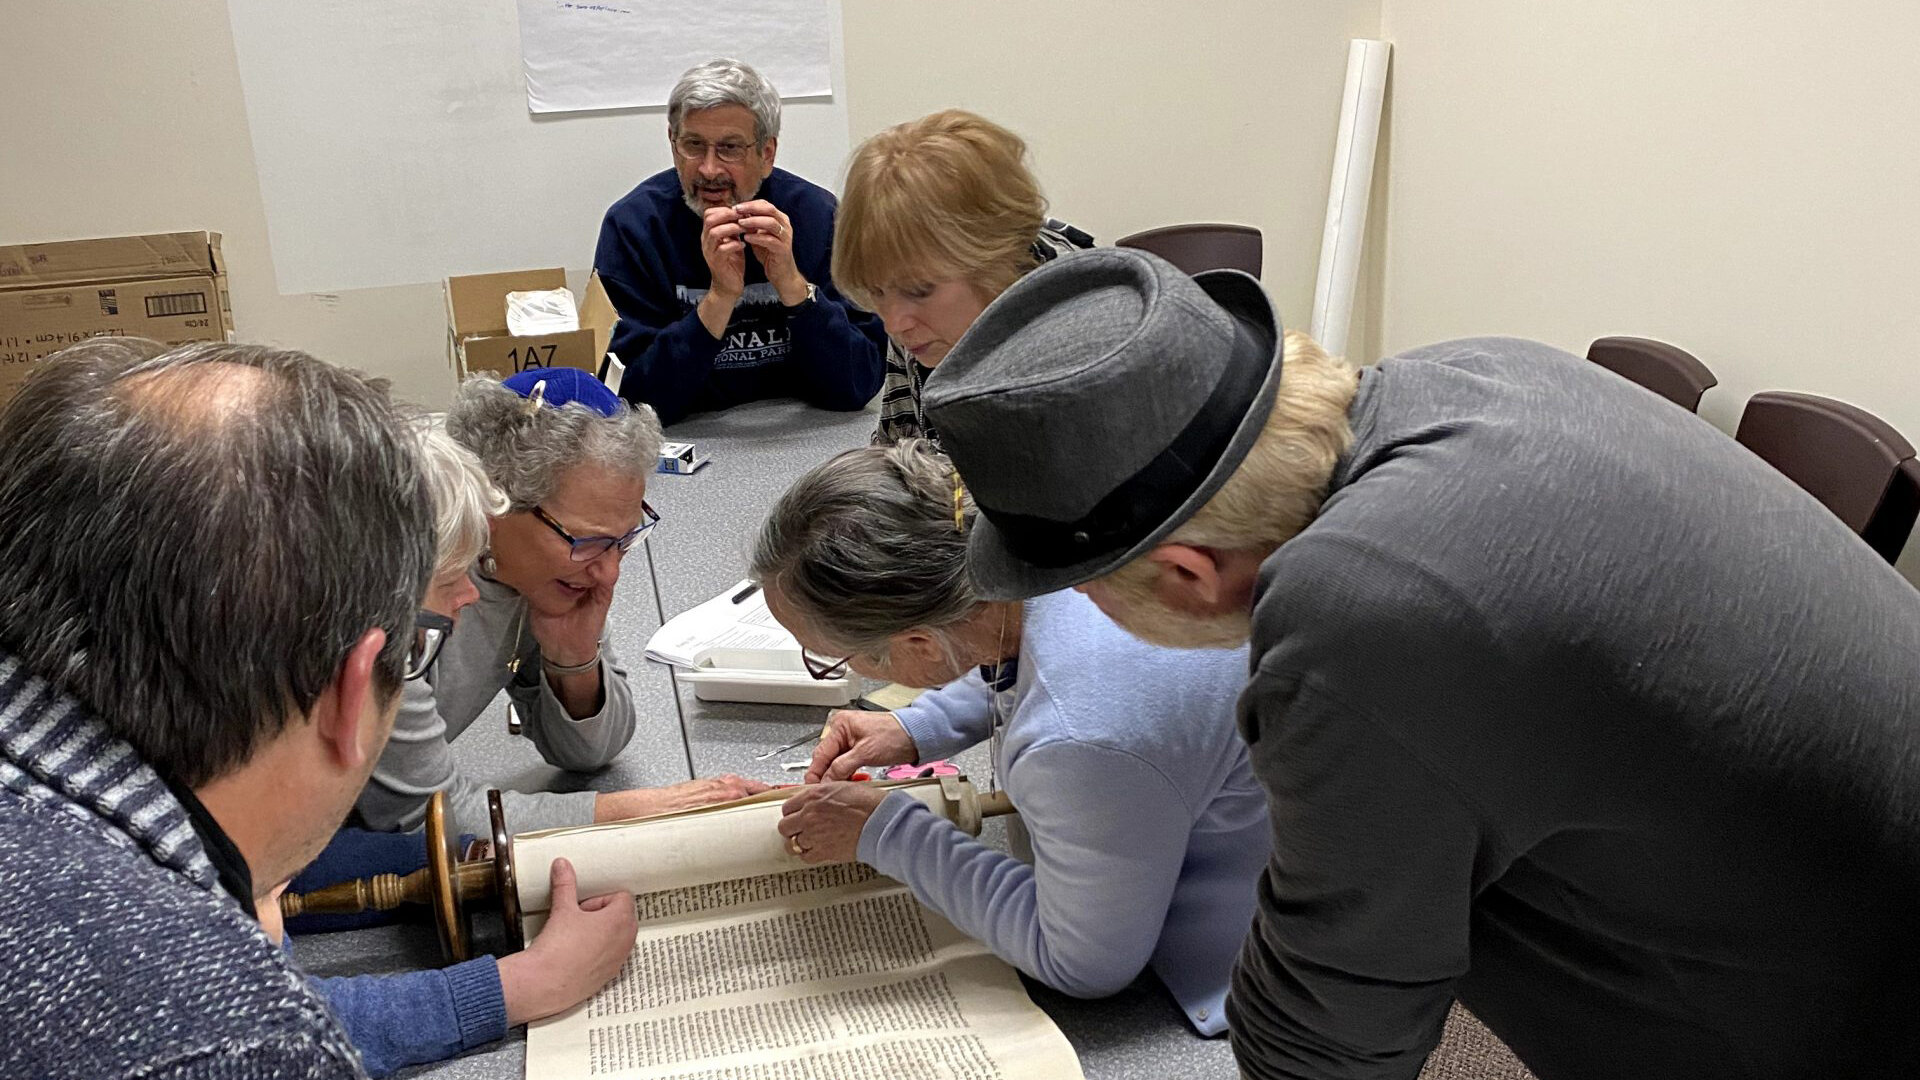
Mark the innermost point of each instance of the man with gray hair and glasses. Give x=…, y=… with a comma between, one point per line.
x=1566, y=704
x=719, y=266
x=210, y=563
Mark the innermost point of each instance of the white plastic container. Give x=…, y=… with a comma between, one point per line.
x=765, y=676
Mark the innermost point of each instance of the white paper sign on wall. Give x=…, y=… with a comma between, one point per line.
x=622, y=54
x=395, y=147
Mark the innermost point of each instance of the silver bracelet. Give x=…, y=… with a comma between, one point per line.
x=572, y=669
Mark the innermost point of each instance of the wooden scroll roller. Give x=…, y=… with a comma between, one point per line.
x=453, y=889
x=447, y=885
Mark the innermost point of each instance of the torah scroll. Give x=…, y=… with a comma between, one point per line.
x=750, y=964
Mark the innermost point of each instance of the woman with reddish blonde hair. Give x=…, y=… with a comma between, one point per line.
x=937, y=217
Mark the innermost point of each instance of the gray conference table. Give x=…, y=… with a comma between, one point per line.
x=708, y=522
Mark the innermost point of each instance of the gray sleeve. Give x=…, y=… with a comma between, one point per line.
x=581, y=745
x=1363, y=911
x=418, y=761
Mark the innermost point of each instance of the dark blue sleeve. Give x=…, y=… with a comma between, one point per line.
x=839, y=351
x=418, y=1016
x=668, y=352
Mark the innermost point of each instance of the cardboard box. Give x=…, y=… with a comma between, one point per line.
x=171, y=287
x=477, y=338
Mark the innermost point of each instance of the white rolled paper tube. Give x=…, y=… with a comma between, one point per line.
x=1349, y=192
x=673, y=852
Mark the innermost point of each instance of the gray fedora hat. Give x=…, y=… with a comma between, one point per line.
x=1095, y=406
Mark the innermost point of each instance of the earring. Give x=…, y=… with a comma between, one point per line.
x=488, y=567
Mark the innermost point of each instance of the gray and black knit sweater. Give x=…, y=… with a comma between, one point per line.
x=120, y=955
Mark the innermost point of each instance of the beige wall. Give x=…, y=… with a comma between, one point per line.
x=1137, y=112
x=1738, y=179
x=137, y=116
x=1734, y=178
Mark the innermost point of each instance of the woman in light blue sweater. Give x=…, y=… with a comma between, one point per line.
x=1148, y=830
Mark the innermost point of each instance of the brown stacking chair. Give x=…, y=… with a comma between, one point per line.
x=1848, y=458
x=1194, y=248
x=1671, y=372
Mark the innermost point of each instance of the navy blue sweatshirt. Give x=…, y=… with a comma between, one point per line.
x=825, y=352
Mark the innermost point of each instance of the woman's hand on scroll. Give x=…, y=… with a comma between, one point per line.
x=689, y=795
x=822, y=823
x=580, y=950
x=854, y=739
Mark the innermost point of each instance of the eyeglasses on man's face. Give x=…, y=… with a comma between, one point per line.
x=430, y=632
x=823, y=667
x=589, y=548
x=695, y=148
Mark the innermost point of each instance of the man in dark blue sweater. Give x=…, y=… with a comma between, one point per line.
x=719, y=266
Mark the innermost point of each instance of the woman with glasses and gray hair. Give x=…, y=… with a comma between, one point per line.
x=572, y=461
x=411, y=1017
x=1148, y=830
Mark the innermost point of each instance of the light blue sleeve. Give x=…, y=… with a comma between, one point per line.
x=1109, y=838
x=418, y=1016
x=946, y=721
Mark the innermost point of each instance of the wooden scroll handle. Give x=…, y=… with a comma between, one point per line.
x=445, y=885
x=505, y=879
x=382, y=892
x=967, y=806
x=996, y=804
x=447, y=915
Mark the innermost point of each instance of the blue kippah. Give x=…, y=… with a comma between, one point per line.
x=566, y=384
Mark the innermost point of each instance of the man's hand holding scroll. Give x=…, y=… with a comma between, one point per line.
x=580, y=950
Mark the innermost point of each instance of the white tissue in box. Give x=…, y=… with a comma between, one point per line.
x=541, y=311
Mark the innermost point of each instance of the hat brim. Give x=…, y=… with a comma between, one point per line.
x=998, y=574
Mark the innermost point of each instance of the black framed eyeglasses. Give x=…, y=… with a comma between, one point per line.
x=823, y=667
x=694, y=148
x=589, y=548
x=430, y=632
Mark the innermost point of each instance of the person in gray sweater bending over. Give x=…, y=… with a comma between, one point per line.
x=573, y=461
x=1568, y=705
x=1147, y=837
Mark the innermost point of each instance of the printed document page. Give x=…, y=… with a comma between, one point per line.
x=720, y=624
